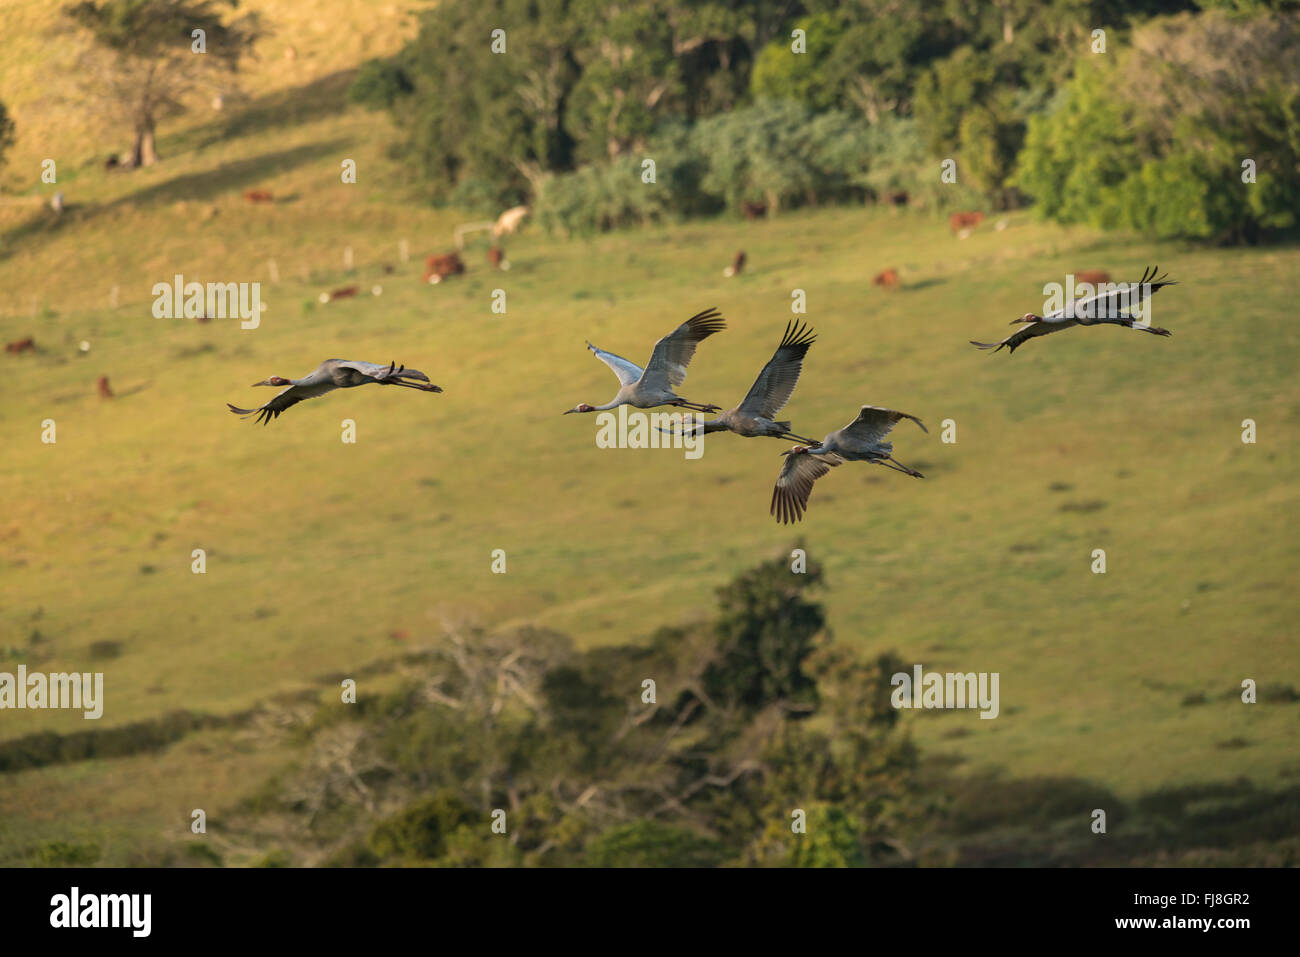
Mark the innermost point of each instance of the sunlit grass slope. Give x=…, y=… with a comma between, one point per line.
x=323, y=557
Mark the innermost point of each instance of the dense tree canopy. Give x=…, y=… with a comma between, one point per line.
x=795, y=102
x=1193, y=131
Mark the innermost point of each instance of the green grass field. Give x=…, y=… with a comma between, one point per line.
x=324, y=558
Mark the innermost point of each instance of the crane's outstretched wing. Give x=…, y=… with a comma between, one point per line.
x=383, y=373
x=874, y=423
x=1031, y=329
x=672, y=353
x=794, y=483
x=626, y=370
x=775, y=384
x=283, y=400
x=1115, y=302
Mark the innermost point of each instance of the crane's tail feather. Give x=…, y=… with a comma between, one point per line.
x=263, y=415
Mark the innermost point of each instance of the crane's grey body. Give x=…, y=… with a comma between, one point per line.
x=755, y=415
x=1100, y=309
x=653, y=386
x=330, y=375
x=862, y=440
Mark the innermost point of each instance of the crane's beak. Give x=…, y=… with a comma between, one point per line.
x=567, y=411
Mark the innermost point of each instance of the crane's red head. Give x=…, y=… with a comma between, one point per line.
x=797, y=450
x=274, y=380
x=580, y=407
x=1027, y=317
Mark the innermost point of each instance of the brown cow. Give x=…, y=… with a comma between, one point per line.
x=753, y=210
x=736, y=266
x=899, y=198
x=496, y=256
x=1093, y=276
x=258, y=196
x=347, y=292
x=21, y=345
x=964, y=222
x=437, y=268
x=888, y=279
x=104, y=391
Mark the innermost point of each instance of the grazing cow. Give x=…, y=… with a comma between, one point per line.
x=258, y=196
x=437, y=268
x=753, y=211
x=21, y=345
x=899, y=198
x=736, y=266
x=1094, y=276
x=887, y=279
x=104, y=391
x=497, y=256
x=964, y=222
x=508, y=222
x=347, y=292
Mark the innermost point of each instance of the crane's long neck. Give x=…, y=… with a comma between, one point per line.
x=611, y=404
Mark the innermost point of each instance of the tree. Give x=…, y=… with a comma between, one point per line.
x=765, y=630
x=148, y=55
x=1192, y=132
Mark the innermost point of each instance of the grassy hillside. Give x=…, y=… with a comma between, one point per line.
x=324, y=558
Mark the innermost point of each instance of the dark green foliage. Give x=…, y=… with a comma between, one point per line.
x=420, y=831
x=765, y=632
x=877, y=95
x=653, y=844
x=65, y=854
x=46, y=748
x=379, y=84
x=1155, y=138
x=682, y=751
x=775, y=152
x=6, y=133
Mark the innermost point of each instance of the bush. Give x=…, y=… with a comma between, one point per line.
x=900, y=163
x=781, y=153
x=65, y=854
x=420, y=831
x=379, y=84
x=777, y=152
x=652, y=844
x=1154, y=139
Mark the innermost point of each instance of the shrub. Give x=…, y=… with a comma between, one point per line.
x=379, y=84
x=1154, y=139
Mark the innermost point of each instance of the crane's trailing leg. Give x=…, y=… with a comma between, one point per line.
x=696, y=407
x=899, y=467
x=422, y=386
